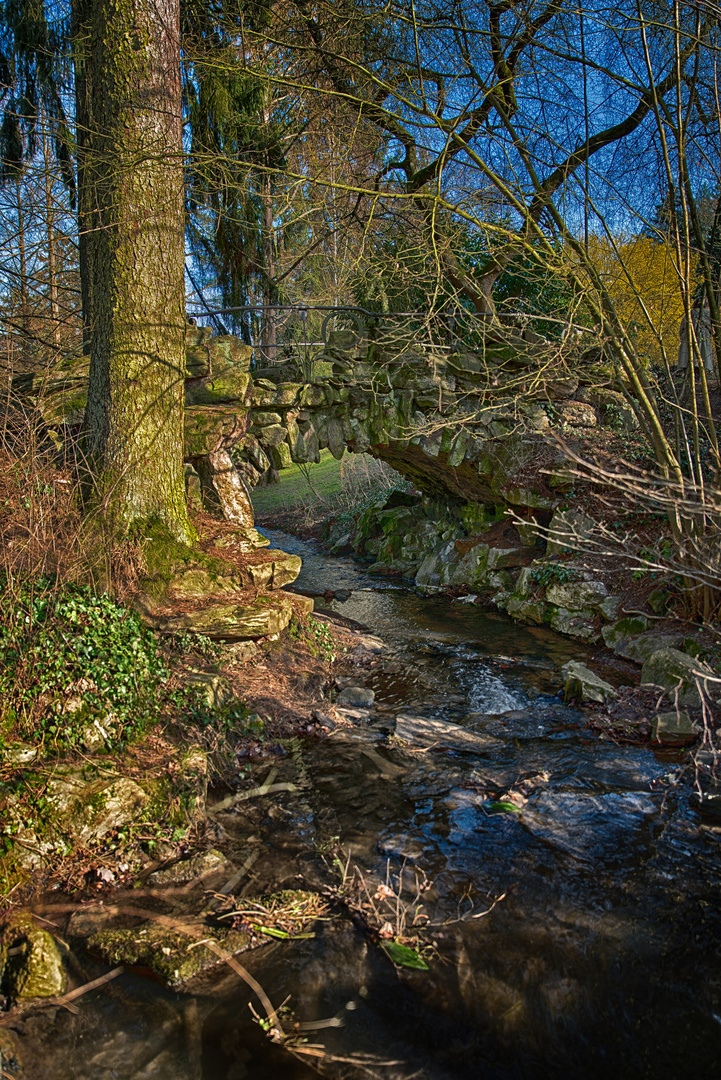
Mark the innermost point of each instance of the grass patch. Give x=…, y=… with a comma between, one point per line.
x=302, y=484
x=327, y=498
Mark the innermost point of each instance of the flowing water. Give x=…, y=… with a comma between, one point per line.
x=600, y=958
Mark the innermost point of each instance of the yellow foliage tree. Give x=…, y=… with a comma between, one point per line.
x=643, y=281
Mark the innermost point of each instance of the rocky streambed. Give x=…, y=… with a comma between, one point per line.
x=556, y=893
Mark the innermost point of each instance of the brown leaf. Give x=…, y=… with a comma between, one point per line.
x=384, y=893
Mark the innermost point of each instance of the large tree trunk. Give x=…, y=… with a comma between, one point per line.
x=132, y=216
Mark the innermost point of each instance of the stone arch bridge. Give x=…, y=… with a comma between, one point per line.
x=466, y=428
x=469, y=429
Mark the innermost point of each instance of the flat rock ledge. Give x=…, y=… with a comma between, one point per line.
x=263, y=568
x=228, y=618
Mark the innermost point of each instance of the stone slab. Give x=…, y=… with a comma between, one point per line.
x=422, y=731
x=227, y=621
x=674, y=729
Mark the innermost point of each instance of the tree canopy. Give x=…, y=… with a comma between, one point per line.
x=506, y=156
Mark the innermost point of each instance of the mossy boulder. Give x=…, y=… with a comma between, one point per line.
x=272, y=569
x=261, y=419
x=577, y=414
x=526, y=497
x=276, y=569
x=620, y=631
x=197, y=581
x=429, y=570
x=197, y=357
x=227, y=620
x=31, y=961
x=174, y=954
x=17, y=753
x=63, y=403
x=286, y=394
x=334, y=438
x=642, y=646
x=467, y=569
x=312, y=395
x=525, y=581
x=175, y=567
x=171, y=955
x=221, y=389
x=76, y=810
x=508, y=557
x=227, y=351
x=215, y=689
x=579, y=624
x=527, y=609
x=272, y=436
x=59, y=394
x=280, y=455
x=582, y=684
x=212, y=427
x=680, y=676
x=661, y=600
x=577, y=595
x=193, y=490
x=89, y=809
x=610, y=608
x=568, y=530
x=192, y=781
x=263, y=394
x=243, y=539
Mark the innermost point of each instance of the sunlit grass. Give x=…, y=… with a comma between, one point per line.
x=301, y=485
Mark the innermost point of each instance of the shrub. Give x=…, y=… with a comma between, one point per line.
x=71, y=660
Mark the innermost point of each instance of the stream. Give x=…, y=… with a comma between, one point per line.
x=580, y=938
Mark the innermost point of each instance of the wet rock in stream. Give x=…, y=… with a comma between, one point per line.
x=175, y=950
x=422, y=731
x=356, y=697
x=582, y=684
x=172, y=956
x=32, y=962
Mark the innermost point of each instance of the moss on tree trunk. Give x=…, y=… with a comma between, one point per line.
x=132, y=217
